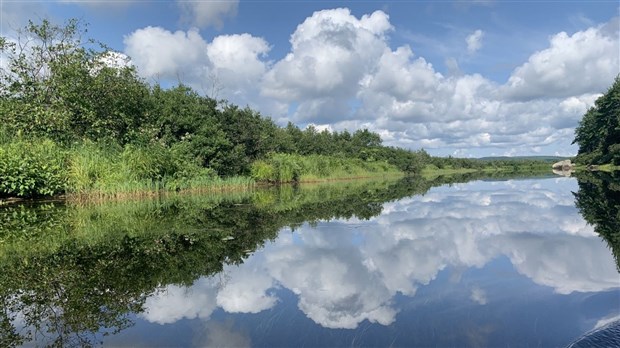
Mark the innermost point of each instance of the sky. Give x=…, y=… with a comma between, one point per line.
x=460, y=78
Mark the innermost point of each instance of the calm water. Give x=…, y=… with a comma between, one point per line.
x=478, y=264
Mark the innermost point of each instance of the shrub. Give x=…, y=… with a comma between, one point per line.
x=262, y=171
x=32, y=168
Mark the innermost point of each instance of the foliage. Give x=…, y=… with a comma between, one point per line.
x=119, y=134
x=598, y=133
x=32, y=168
x=295, y=168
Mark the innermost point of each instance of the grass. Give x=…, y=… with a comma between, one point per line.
x=39, y=167
x=431, y=172
x=609, y=168
x=285, y=168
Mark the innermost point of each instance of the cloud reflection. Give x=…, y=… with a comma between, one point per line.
x=346, y=273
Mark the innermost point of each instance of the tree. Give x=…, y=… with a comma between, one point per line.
x=57, y=85
x=598, y=133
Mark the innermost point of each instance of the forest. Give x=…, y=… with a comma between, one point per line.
x=75, y=117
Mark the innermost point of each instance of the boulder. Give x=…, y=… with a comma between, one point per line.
x=565, y=165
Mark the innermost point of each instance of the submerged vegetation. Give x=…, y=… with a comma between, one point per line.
x=75, y=118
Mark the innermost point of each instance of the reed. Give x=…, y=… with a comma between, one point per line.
x=282, y=168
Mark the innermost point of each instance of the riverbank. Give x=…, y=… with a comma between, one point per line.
x=431, y=172
x=39, y=168
x=608, y=168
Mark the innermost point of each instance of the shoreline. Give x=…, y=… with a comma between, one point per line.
x=222, y=188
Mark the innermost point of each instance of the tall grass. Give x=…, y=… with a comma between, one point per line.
x=40, y=167
x=102, y=171
x=98, y=171
x=282, y=168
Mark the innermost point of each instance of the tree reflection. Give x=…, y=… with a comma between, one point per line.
x=598, y=200
x=70, y=273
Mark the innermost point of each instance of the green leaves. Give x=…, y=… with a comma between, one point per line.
x=32, y=168
x=598, y=132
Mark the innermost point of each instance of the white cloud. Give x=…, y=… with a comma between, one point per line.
x=479, y=296
x=175, y=302
x=236, y=61
x=342, y=72
x=584, y=62
x=115, y=60
x=246, y=291
x=335, y=289
x=206, y=13
x=232, y=65
x=160, y=53
x=474, y=41
x=331, y=52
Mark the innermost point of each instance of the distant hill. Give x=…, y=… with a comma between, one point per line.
x=525, y=158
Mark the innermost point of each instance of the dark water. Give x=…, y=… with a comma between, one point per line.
x=476, y=264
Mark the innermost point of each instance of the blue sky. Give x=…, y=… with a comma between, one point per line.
x=461, y=78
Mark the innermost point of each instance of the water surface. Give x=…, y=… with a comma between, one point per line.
x=481, y=263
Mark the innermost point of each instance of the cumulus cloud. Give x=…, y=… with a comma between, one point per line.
x=342, y=71
x=584, y=62
x=175, y=302
x=160, y=53
x=207, y=12
x=335, y=289
x=236, y=61
x=246, y=292
x=474, y=41
x=330, y=53
x=231, y=64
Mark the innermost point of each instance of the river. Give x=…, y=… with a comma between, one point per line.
x=480, y=263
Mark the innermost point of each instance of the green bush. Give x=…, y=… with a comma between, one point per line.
x=152, y=162
x=262, y=171
x=32, y=168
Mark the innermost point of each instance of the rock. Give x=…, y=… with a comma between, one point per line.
x=565, y=165
x=566, y=173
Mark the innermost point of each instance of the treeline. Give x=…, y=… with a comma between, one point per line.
x=77, y=116
x=516, y=164
x=598, y=133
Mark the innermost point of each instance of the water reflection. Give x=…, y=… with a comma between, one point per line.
x=348, y=271
x=70, y=273
x=598, y=200
x=471, y=264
